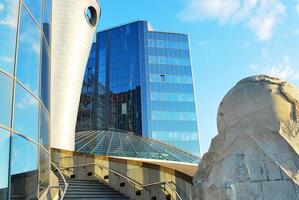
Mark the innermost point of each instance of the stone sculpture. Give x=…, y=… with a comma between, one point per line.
x=255, y=154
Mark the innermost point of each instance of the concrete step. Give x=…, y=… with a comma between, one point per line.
x=91, y=192
x=90, y=189
x=112, y=196
x=101, y=198
x=97, y=188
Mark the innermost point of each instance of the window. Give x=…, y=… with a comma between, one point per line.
x=29, y=53
x=162, y=77
x=8, y=36
x=24, y=168
x=4, y=160
x=5, y=100
x=91, y=16
x=123, y=108
x=26, y=113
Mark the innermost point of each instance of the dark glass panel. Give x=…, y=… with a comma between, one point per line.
x=4, y=160
x=8, y=29
x=24, y=174
x=5, y=100
x=45, y=75
x=26, y=113
x=47, y=19
x=29, y=52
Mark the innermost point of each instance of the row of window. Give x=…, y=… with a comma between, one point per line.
x=177, y=37
x=163, y=96
x=174, y=126
x=173, y=106
x=181, y=136
x=170, y=69
x=173, y=116
x=162, y=60
x=168, y=44
x=171, y=87
x=171, y=78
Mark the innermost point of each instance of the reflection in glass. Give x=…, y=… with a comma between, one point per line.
x=44, y=169
x=5, y=100
x=44, y=128
x=47, y=18
x=28, y=52
x=45, y=75
x=23, y=168
x=34, y=7
x=8, y=28
x=26, y=113
x=4, y=162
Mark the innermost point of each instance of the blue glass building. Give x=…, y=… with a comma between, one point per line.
x=140, y=80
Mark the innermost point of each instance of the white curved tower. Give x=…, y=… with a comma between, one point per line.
x=73, y=28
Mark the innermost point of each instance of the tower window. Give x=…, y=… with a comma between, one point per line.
x=91, y=16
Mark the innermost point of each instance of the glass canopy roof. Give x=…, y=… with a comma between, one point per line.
x=125, y=144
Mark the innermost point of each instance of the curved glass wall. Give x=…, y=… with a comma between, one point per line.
x=24, y=103
x=111, y=142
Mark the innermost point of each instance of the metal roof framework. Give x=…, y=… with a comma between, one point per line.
x=111, y=142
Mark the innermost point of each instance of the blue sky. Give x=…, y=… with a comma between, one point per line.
x=230, y=40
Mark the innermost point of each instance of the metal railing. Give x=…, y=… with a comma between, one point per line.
x=128, y=179
x=61, y=192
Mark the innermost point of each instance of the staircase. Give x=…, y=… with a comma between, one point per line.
x=86, y=189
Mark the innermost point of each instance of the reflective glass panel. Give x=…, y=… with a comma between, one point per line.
x=47, y=19
x=28, y=52
x=44, y=128
x=8, y=28
x=44, y=169
x=5, y=100
x=4, y=160
x=35, y=8
x=23, y=169
x=45, y=75
x=26, y=113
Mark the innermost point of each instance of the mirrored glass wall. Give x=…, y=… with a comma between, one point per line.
x=24, y=103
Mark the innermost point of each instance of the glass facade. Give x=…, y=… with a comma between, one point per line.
x=24, y=104
x=112, y=142
x=140, y=81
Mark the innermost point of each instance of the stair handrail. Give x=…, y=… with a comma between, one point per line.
x=56, y=186
x=64, y=180
x=130, y=180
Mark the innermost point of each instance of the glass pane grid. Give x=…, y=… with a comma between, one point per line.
x=124, y=144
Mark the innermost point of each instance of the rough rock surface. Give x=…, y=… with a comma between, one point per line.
x=255, y=154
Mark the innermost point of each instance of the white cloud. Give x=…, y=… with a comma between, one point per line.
x=265, y=18
x=1, y=6
x=215, y=9
x=297, y=8
x=283, y=70
x=260, y=16
x=25, y=102
x=11, y=17
x=6, y=59
x=30, y=39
